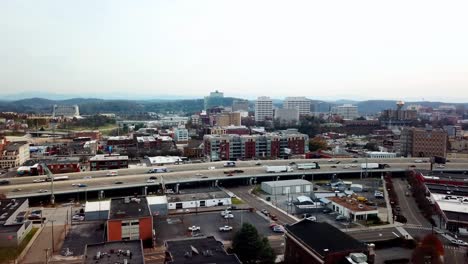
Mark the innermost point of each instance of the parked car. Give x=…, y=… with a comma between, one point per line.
x=225, y=228
x=265, y=212
x=40, y=180
x=229, y=216
x=278, y=229
x=194, y=228
x=326, y=211
x=459, y=242
x=225, y=212
x=341, y=218
x=87, y=177
x=34, y=217
x=273, y=217
x=78, y=217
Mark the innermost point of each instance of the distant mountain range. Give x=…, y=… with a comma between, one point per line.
x=95, y=105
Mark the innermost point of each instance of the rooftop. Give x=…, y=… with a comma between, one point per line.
x=9, y=207
x=445, y=188
x=322, y=237
x=14, y=146
x=114, y=252
x=97, y=206
x=287, y=183
x=53, y=160
x=108, y=157
x=197, y=194
x=13, y=228
x=198, y=251
x=121, y=208
x=351, y=204
x=162, y=199
x=451, y=203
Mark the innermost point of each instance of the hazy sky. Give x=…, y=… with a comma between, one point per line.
x=320, y=49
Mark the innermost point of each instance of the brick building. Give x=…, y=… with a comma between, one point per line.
x=108, y=162
x=319, y=242
x=130, y=219
x=273, y=145
x=423, y=142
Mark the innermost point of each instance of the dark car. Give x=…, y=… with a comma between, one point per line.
x=153, y=178
x=4, y=182
x=238, y=171
x=326, y=211
x=292, y=163
x=118, y=182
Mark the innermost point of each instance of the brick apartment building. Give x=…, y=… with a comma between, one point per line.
x=423, y=142
x=273, y=145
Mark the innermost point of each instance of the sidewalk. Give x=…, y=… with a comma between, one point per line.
x=37, y=252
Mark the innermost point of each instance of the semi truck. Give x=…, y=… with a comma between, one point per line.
x=278, y=169
x=308, y=166
x=370, y=166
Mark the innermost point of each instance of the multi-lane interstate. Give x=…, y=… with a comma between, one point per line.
x=207, y=172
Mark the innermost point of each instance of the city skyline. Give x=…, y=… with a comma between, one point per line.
x=187, y=49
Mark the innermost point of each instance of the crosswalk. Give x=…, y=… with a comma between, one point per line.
x=420, y=227
x=455, y=248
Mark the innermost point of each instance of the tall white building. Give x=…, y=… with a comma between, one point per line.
x=287, y=116
x=181, y=134
x=263, y=108
x=347, y=111
x=301, y=103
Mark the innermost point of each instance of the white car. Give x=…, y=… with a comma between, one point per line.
x=112, y=173
x=39, y=180
x=87, y=177
x=459, y=242
x=227, y=216
x=225, y=228
x=42, y=191
x=78, y=218
x=354, y=166
x=194, y=228
x=211, y=168
x=223, y=213
x=418, y=161
x=150, y=181
x=346, y=167
x=440, y=166
x=331, y=160
x=198, y=174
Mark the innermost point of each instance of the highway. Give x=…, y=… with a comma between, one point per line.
x=198, y=172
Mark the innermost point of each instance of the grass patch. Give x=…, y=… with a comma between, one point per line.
x=11, y=253
x=236, y=200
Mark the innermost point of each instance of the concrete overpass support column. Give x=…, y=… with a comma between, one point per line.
x=145, y=190
x=101, y=195
x=176, y=188
x=215, y=183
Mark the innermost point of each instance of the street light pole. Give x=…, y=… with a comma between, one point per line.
x=53, y=240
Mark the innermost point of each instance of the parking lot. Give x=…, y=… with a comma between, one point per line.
x=175, y=227
x=81, y=234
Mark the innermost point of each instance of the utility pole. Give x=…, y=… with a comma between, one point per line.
x=53, y=239
x=46, y=255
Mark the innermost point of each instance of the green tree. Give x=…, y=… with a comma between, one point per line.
x=317, y=143
x=250, y=247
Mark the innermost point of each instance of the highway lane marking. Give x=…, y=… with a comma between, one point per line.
x=395, y=234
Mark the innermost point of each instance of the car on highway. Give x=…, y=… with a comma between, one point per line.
x=34, y=217
x=331, y=160
x=326, y=210
x=353, y=166
x=194, y=228
x=292, y=163
x=412, y=166
x=225, y=228
x=4, y=182
x=346, y=167
x=40, y=180
x=81, y=185
x=378, y=194
x=42, y=191
x=118, y=182
x=229, y=216
x=258, y=163
x=150, y=181
x=17, y=190
x=354, y=161
x=418, y=161
x=440, y=166
x=87, y=177
x=211, y=168
x=112, y=173
x=204, y=177
x=198, y=174
x=333, y=167
x=153, y=178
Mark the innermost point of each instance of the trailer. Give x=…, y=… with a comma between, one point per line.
x=308, y=166
x=370, y=166
x=58, y=178
x=278, y=169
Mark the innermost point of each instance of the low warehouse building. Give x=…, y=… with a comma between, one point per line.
x=198, y=198
x=158, y=205
x=352, y=209
x=285, y=187
x=97, y=210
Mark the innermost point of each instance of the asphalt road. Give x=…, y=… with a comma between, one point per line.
x=408, y=206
